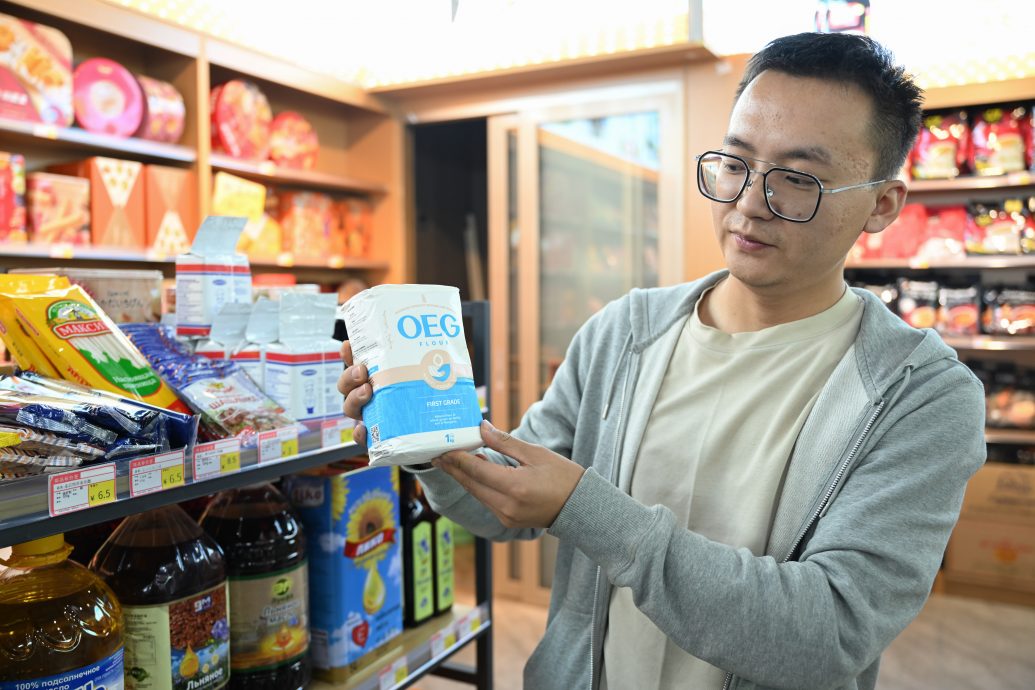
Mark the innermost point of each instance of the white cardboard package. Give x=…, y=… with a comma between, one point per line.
x=411, y=339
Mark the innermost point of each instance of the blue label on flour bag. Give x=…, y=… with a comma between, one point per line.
x=414, y=407
x=102, y=675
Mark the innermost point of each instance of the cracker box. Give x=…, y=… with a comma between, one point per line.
x=171, y=209
x=351, y=520
x=355, y=218
x=59, y=209
x=35, y=73
x=117, y=200
x=12, y=198
x=306, y=219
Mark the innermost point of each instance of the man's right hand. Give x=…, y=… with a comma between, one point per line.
x=354, y=384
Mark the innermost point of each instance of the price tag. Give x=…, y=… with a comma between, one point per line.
x=156, y=473
x=62, y=250
x=85, y=488
x=216, y=458
x=286, y=259
x=277, y=444
x=336, y=261
x=268, y=168
x=337, y=432
x=393, y=675
x=443, y=640
x=470, y=622
x=45, y=131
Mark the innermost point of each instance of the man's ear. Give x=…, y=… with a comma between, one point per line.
x=889, y=205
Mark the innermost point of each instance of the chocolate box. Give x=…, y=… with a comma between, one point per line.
x=307, y=220
x=171, y=203
x=117, y=199
x=12, y=198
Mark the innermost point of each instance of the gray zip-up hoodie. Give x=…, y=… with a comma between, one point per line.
x=871, y=492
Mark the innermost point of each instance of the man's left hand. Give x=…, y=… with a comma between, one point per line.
x=529, y=495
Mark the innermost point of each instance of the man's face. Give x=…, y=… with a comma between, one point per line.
x=812, y=125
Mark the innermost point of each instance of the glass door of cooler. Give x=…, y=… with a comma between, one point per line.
x=585, y=203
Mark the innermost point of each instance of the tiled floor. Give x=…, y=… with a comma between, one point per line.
x=955, y=644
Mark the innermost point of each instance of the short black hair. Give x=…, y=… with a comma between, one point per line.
x=853, y=59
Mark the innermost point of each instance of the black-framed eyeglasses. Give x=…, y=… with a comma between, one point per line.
x=790, y=194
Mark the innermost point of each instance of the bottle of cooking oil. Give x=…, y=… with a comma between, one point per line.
x=418, y=554
x=171, y=580
x=60, y=625
x=265, y=554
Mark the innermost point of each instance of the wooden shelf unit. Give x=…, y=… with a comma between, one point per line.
x=362, y=143
x=969, y=183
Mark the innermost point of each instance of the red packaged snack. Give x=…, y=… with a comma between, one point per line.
x=993, y=229
x=108, y=99
x=943, y=147
x=903, y=238
x=959, y=311
x=946, y=233
x=1028, y=231
x=1009, y=311
x=35, y=73
x=12, y=198
x=164, y=112
x=918, y=303
x=241, y=118
x=999, y=139
x=293, y=141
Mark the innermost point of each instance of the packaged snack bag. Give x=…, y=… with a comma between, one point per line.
x=1009, y=311
x=12, y=198
x=993, y=228
x=943, y=146
x=918, y=303
x=998, y=141
x=959, y=311
x=59, y=209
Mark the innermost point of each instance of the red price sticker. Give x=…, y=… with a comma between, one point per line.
x=156, y=473
x=393, y=675
x=217, y=458
x=278, y=444
x=81, y=489
x=337, y=432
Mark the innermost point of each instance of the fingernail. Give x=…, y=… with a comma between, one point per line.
x=487, y=425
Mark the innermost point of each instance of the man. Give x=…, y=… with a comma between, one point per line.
x=765, y=465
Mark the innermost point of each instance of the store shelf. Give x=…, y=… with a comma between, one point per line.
x=1010, y=436
x=269, y=173
x=968, y=183
x=974, y=263
x=1012, y=343
x=24, y=511
x=420, y=650
x=69, y=137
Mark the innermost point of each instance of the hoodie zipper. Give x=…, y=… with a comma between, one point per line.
x=821, y=508
x=614, y=479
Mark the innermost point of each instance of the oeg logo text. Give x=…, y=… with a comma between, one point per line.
x=430, y=329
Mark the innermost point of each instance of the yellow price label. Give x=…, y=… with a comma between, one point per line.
x=230, y=462
x=289, y=447
x=450, y=639
x=401, y=673
x=346, y=435
x=172, y=476
x=100, y=493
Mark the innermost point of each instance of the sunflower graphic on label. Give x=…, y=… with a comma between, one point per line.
x=89, y=332
x=369, y=534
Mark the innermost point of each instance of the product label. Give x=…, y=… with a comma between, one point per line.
x=444, y=562
x=277, y=444
x=183, y=645
x=423, y=576
x=337, y=432
x=80, y=489
x=216, y=458
x=102, y=675
x=269, y=619
x=156, y=473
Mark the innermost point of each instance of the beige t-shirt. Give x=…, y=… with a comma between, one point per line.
x=714, y=452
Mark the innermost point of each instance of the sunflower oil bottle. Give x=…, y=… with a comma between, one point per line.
x=351, y=521
x=60, y=625
x=265, y=553
x=418, y=555
x=171, y=580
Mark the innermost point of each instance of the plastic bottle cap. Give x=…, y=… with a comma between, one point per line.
x=38, y=547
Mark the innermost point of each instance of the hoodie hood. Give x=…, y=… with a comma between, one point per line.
x=886, y=347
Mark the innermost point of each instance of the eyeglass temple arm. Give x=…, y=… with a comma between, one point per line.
x=854, y=186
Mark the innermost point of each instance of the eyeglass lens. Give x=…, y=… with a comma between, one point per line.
x=790, y=195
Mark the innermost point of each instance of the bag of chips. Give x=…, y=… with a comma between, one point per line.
x=1009, y=311
x=943, y=146
x=999, y=139
x=995, y=227
x=918, y=303
x=959, y=311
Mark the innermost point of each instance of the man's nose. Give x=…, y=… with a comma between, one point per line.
x=754, y=205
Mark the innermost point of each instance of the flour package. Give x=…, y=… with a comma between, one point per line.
x=263, y=329
x=411, y=339
x=227, y=334
x=210, y=275
x=302, y=367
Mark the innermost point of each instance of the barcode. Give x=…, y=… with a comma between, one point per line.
x=375, y=433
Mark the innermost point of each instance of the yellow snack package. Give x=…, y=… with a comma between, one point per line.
x=86, y=346
x=20, y=344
